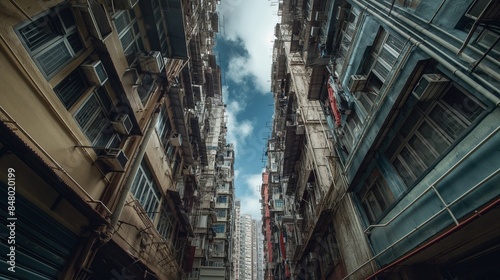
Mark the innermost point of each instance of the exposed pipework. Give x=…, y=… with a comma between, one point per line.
x=134, y=168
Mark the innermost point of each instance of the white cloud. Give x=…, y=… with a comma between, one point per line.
x=250, y=201
x=253, y=23
x=238, y=131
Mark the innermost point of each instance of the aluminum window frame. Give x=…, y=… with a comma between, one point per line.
x=146, y=191
x=53, y=16
x=131, y=23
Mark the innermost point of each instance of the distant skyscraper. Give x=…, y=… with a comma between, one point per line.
x=246, y=247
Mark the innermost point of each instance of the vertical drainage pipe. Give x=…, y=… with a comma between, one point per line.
x=133, y=169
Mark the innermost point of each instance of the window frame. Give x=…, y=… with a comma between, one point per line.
x=166, y=223
x=99, y=112
x=438, y=130
x=146, y=191
x=137, y=41
x=52, y=17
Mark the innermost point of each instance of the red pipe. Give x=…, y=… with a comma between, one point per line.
x=439, y=238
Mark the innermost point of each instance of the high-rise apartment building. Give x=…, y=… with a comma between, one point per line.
x=383, y=160
x=112, y=148
x=247, y=240
x=259, y=260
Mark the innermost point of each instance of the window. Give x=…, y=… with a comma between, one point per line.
x=384, y=54
x=223, y=187
x=164, y=130
x=129, y=34
x=376, y=196
x=52, y=40
x=352, y=129
x=429, y=130
x=72, y=88
x=221, y=213
x=221, y=199
x=278, y=203
x=219, y=228
x=347, y=30
x=166, y=223
x=145, y=190
x=92, y=117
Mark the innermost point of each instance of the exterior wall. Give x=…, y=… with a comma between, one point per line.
x=382, y=198
x=62, y=180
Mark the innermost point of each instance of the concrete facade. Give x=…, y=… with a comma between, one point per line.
x=386, y=119
x=107, y=128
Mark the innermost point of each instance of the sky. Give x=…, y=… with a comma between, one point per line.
x=244, y=50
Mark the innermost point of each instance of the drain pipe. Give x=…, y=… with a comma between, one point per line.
x=455, y=71
x=133, y=169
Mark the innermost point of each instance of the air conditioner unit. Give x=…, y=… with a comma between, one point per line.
x=122, y=124
x=314, y=31
x=153, y=62
x=125, y=4
x=356, y=83
x=430, y=86
x=113, y=160
x=95, y=17
x=95, y=72
x=176, y=140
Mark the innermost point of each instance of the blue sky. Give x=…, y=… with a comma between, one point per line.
x=244, y=51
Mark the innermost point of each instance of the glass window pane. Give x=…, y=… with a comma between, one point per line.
x=433, y=137
x=87, y=112
x=388, y=56
x=411, y=160
x=67, y=17
x=410, y=123
x=447, y=122
x=121, y=22
x=71, y=88
x=403, y=172
x=425, y=153
x=75, y=43
x=53, y=58
x=37, y=33
x=463, y=104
